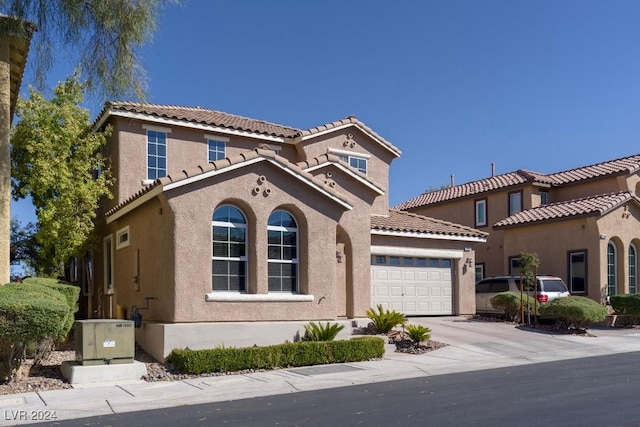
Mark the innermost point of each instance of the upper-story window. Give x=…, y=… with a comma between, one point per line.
x=544, y=197
x=217, y=149
x=515, y=202
x=481, y=213
x=359, y=163
x=156, y=154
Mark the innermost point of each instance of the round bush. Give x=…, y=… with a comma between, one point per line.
x=509, y=303
x=574, y=311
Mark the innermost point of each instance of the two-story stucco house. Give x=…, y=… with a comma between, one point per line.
x=234, y=231
x=583, y=223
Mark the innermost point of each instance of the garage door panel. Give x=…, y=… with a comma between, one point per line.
x=412, y=290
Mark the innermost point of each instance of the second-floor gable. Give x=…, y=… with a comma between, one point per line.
x=152, y=141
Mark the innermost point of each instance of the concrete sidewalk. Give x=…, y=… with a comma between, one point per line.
x=472, y=345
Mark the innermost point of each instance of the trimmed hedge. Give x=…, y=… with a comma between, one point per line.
x=71, y=294
x=304, y=353
x=628, y=304
x=574, y=311
x=33, y=315
x=509, y=303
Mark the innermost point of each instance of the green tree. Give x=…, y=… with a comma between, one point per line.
x=23, y=245
x=103, y=36
x=56, y=159
x=529, y=263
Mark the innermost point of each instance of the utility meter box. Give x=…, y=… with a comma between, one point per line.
x=104, y=341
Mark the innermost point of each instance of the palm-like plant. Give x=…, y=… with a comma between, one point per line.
x=384, y=320
x=319, y=332
x=418, y=333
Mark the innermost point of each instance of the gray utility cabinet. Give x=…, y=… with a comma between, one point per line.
x=104, y=341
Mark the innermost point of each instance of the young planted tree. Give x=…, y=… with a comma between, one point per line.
x=529, y=263
x=54, y=159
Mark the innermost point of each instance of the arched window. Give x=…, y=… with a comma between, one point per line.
x=282, y=235
x=633, y=270
x=229, y=249
x=612, y=279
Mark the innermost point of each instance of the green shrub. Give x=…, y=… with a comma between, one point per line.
x=418, y=333
x=626, y=304
x=509, y=303
x=31, y=315
x=318, y=332
x=304, y=353
x=71, y=294
x=574, y=311
x=384, y=320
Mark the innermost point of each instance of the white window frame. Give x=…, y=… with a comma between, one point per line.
x=347, y=156
x=216, y=138
x=612, y=277
x=633, y=269
x=108, y=264
x=294, y=261
x=242, y=258
x=122, y=232
x=166, y=156
x=515, y=202
x=481, y=206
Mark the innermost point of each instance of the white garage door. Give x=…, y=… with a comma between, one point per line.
x=413, y=286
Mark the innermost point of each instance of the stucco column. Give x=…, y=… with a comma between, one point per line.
x=5, y=159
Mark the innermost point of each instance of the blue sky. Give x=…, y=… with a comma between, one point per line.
x=542, y=85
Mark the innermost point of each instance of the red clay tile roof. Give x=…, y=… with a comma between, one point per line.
x=221, y=165
x=594, y=205
x=205, y=116
x=231, y=121
x=628, y=164
x=351, y=120
x=400, y=221
x=471, y=188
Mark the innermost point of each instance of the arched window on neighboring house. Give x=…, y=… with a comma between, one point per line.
x=282, y=235
x=229, y=249
x=612, y=276
x=633, y=269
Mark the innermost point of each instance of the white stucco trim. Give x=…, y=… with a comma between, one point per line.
x=417, y=252
x=339, y=152
x=182, y=123
x=238, y=297
x=285, y=169
x=156, y=128
x=348, y=172
x=433, y=236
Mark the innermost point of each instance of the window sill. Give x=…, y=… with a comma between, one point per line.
x=238, y=297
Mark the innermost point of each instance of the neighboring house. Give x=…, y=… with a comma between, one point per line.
x=583, y=223
x=225, y=230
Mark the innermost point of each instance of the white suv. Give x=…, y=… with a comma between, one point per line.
x=548, y=289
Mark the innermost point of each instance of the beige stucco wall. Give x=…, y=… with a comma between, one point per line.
x=553, y=240
x=591, y=187
x=150, y=241
x=181, y=298
x=359, y=143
